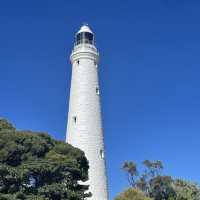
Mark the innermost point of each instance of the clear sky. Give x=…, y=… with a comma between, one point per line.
x=149, y=75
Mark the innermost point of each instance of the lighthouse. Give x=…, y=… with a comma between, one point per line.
x=84, y=128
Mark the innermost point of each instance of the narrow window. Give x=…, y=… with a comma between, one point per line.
x=74, y=119
x=102, y=154
x=77, y=62
x=95, y=64
x=97, y=90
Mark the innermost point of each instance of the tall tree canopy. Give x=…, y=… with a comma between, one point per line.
x=35, y=166
x=151, y=183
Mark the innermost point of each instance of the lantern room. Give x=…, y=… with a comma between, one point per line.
x=84, y=36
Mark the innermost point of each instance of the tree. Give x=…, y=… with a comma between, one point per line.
x=34, y=166
x=157, y=186
x=131, y=170
x=161, y=188
x=154, y=168
x=186, y=190
x=142, y=181
x=150, y=181
x=132, y=194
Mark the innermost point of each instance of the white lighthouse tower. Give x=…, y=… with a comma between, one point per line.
x=84, y=129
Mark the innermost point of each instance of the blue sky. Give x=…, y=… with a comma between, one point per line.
x=149, y=76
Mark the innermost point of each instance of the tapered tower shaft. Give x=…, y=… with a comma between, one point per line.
x=84, y=129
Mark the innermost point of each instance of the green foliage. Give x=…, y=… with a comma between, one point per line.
x=34, y=166
x=161, y=188
x=157, y=186
x=5, y=125
x=132, y=194
x=186, y=190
